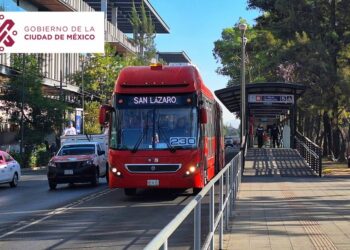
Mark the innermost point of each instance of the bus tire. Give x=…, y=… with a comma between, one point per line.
x=129, y=191
x=196, y=190
x=107, y=173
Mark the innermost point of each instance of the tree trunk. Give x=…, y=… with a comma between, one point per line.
x=327, y=135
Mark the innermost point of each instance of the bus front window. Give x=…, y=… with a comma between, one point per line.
x=156, y=128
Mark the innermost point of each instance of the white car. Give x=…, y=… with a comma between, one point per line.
x=10, y=170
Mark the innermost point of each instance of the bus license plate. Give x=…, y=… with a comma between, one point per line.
x=152, y=183
x=68, y=171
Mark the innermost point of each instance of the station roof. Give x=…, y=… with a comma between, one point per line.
x=174, y=57
x=124, y=13
x=231, y=96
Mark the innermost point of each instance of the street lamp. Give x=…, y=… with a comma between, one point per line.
x=243, y=27
x=82, y=92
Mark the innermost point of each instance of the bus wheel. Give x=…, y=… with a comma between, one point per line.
x=107, y=173
x=196, y=190
x=130, y=191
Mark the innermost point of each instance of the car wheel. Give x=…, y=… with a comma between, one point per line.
x=14, y=181
x=96, y=179
x=130, y=191
x=52, y=185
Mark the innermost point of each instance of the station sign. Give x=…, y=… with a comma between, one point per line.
x=270, y=98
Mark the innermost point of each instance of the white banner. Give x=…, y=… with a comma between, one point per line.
x=51, y=32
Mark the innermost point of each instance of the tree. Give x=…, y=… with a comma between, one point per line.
x=307, y=42
x=41, y=116
x=261, y=52
x=143, y=33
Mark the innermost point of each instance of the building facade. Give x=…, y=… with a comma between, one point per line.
x=56, y=68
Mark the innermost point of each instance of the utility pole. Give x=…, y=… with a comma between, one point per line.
x=22, y=108
x=243, y=27
x=82, y=92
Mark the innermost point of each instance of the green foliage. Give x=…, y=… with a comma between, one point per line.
x=143, y=33
x=39, y=156
x=92, y=125
x=299, y=41
x=101, y=72
x=41, y=115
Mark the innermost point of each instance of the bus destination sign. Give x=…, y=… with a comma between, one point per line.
x=157, y=100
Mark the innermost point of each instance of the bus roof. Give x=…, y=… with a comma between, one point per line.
x=160, y=80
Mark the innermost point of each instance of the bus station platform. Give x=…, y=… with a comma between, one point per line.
x=282, y=204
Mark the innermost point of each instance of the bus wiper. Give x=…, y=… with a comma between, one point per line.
x=137, y=145
x=172, y=149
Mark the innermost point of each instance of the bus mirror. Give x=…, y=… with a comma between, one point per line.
x=103, y=115
x=203, y=116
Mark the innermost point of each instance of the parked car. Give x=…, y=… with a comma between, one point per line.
x=10, y=170
x=76, y=163
x=232, y=141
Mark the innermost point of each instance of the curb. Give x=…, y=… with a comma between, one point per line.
x=34, y=170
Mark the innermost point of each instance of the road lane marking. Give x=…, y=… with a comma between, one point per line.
x=60, y=210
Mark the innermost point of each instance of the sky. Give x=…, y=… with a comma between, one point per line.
x=194, y=27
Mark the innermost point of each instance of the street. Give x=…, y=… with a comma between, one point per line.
x=81, y=216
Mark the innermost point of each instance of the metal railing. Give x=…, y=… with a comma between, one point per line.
x=310, y=151
x=230, y=177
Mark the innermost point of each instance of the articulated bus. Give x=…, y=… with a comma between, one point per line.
x=165, y=129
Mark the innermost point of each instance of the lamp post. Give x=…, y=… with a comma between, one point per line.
x=82, y=93
x=243, y=27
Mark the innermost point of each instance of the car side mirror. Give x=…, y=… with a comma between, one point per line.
x=102, y=152
x=103, y=114
x=203, y=116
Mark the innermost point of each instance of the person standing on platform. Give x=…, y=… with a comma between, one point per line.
x=275, y=133
x=260, y=135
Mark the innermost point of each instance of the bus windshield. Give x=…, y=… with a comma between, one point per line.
x=154, y=128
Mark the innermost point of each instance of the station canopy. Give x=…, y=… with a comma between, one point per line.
x=231, y=97
x=174, y=57
x=124, y=8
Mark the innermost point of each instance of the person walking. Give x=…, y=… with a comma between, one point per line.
x=275, y=133
x=260, y=135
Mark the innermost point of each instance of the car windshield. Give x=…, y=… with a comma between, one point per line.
x=77, y=150
x=154, y=128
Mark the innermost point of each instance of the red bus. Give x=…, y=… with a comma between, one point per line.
x=165, y=129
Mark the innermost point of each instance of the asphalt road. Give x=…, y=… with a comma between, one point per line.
x=33, y=217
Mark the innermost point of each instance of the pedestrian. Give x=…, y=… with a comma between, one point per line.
x=53, y=149
x=260, y=134
x=275, y=133
x=70, y=130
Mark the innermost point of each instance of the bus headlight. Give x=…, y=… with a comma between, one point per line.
x=116, y=172
x=192, y=169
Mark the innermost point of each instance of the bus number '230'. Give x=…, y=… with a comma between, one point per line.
x=182, y=141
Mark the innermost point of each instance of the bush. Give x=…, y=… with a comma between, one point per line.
x=39, y=156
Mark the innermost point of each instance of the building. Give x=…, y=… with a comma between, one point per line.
x=56, y=68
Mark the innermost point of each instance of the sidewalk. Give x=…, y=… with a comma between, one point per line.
x=36, y=170
x=274, y=212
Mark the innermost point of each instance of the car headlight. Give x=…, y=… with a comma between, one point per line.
x=89, y=162
x=51, y=164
